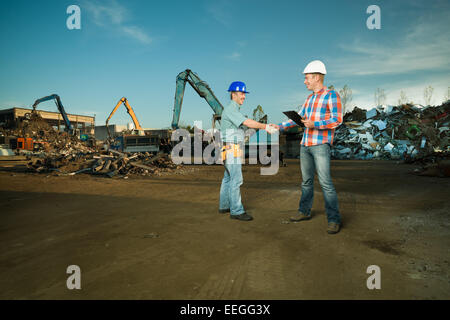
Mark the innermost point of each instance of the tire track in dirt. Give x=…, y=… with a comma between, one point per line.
x=265, y=276
x=257, y=274
x=227, y=285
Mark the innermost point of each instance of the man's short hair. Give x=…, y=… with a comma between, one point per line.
x=231, y=94
x=321, y=76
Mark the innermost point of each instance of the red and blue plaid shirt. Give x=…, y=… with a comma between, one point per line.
x=325, y=109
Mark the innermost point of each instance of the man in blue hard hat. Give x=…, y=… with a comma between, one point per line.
x=232, y=134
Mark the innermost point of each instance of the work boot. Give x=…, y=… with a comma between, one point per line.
x=300, y=216
x=333, y=227
x=224, y=210
x=243, y=217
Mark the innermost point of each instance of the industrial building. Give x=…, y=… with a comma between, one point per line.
x=11, y=118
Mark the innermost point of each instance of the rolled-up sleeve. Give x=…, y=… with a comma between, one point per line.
x=287, y=125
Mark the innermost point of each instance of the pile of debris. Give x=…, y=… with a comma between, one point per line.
x=45, y=137
x=64, y=154
x=436, y=164
x=404, y=132
x=108, y=163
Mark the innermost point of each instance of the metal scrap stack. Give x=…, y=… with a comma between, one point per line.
x=394, y=132
x=64, y=154
x=108, y=163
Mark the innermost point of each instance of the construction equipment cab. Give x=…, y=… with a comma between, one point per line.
x=130, y=111
x=68, y=125
x=136, y=143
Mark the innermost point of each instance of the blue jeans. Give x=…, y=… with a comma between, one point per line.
x=230, y=190
x=311, y=159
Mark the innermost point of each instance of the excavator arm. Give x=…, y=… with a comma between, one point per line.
x=60, y=107
x=203, y=90
x=130, y=112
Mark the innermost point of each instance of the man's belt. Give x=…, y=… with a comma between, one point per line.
x=230, y=143
x=228, y=146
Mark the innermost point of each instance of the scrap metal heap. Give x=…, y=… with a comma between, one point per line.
x=65, y=154
x=414, y=134
x=393, y=132
x=49, y=140
x=109, y=164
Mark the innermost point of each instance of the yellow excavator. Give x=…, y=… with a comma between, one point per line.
x=130, y=111
x=141, y=142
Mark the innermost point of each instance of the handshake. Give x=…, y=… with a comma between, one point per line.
x=271, y=128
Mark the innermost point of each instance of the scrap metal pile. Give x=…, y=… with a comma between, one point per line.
x=404, y=132
x=112, y=163
x=64, y=154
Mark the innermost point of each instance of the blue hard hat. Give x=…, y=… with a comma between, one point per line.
x=237, y=86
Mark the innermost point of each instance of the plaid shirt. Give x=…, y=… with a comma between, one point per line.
x=325, y=109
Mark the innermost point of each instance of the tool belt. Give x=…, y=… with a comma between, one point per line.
x=237, y=151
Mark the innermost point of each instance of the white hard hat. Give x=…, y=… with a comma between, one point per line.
x=315, y=66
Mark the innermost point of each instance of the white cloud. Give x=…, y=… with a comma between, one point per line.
x=410, y=63
x=414, y=91
x=364, y=98
x=221, y=11
x=137, y=33
x=412, y=88
x=107, y=12
x=110, y=14
x=242, y=43
x=425, y=47
x=235, y=56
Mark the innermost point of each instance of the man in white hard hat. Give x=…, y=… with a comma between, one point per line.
x=232, y=134
x=321, y=114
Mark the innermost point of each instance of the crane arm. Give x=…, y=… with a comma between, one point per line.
x=201, y=87
x=133, y=116
x=60, y=107
x=129, y=111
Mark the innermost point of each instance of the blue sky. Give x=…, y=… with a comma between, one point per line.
x=136, y=49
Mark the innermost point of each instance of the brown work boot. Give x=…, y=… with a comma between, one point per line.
x=299, y=216
x=333, y=227
x=243, y=216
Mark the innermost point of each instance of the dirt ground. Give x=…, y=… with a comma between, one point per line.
x=163, y=238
